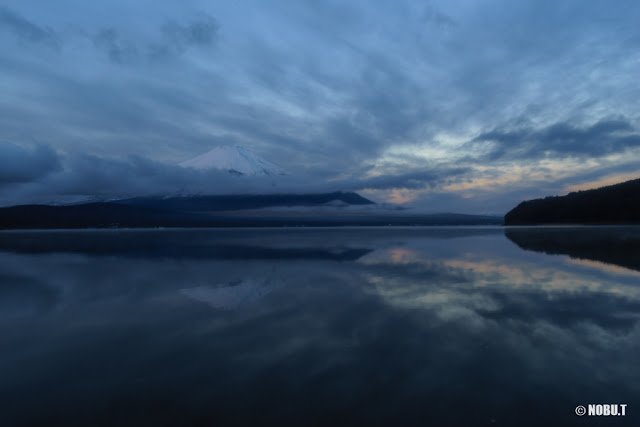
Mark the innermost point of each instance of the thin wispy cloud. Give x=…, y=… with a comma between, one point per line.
x=173, y=39
x=24, y=30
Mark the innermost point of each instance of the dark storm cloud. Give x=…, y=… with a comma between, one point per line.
x=384, y=105
x=560, y=139
x=118, y=49
x=105, y=177
x=173, y=39
x=19, y=165
x=179, y=37
x=410, y=180
x=84, y=176
x=25, y=30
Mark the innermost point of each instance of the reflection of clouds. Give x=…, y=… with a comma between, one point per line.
x=603, y=266
x=506, y=273
x=541, y=314
x=232, y=296
x=502, y=270
x=446, y=304
x=499, y=272
x=21, y=294
x=544, y=300
x=402, y=256
x=393, y=256
x=471, y=321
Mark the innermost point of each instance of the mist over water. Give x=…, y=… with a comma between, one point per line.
x=388, y=326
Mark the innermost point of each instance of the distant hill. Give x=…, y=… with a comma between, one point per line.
x=614, y=204
x=240, y=202
x=320, y=210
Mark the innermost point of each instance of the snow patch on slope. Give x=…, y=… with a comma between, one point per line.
x=235, y=159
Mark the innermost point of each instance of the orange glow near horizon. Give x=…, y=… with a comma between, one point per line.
x=603, y=182
x=403, y=256
x=401, y=196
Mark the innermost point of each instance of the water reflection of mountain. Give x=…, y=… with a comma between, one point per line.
x=454, y=316
x=337, y=244
x=232, y=295
x=151, y=245
x=612, y=245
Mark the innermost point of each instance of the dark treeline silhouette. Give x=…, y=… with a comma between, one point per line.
x=614, y=204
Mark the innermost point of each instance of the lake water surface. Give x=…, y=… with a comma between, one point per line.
x=344, y=326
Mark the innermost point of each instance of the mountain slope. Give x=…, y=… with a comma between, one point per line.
x=614, y=204
x=235, y=159
x=240, y=202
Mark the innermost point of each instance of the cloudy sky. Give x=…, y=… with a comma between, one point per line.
x=463, y=105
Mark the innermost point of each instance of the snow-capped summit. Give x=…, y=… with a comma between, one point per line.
x=235, y=159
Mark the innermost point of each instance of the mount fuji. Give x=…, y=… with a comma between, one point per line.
x=235, y=159
x=226, y=210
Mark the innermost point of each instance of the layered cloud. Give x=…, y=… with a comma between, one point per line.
x=42, y=175
x=24, y=30
x=486, y=102
x=174, y=39
x=19, y=165
x=561, y=139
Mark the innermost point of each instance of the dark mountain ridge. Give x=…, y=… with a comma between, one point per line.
x=223, y=211
x=613, y=204
x=242, y=201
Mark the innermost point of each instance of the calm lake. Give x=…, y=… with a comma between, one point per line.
x=428, y=326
